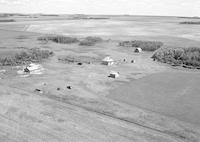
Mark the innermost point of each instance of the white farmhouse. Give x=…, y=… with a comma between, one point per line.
x=108, y=61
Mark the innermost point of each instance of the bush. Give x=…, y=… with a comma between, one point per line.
x=25, y=57
x=86, y=43
x=144, y=45
x=90, y=41
x=179, y=56
x=59, y=39
x=94, y=39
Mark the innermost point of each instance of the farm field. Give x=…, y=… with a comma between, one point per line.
x=175, y=94
x=72, y=97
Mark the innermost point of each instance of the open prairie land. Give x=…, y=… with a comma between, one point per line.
x=73, y=99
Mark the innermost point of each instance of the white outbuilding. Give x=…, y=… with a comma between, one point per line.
x=138, y=50
x=108, y=61
x=114, y=74
x=32, y=69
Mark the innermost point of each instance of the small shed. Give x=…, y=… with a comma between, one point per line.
x=114, y=74
x=138, y=50
x=108, y=61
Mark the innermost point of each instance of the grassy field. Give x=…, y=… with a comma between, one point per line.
x=69, y=101
x=121, y=27
x=174, y=94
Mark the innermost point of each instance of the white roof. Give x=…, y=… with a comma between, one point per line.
x=114, y=72
x=138, y=48
x=33, y=67
x=108, y=59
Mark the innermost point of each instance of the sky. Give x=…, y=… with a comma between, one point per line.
x=114, y=7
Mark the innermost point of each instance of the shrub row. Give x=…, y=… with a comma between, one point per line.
x=7, y=20
x=90, y=41
x=191, y=22
x=79, y=59
x=144, y=45
x=178, y=56
x=25, y=57
x=195, y=17
x=59, y=39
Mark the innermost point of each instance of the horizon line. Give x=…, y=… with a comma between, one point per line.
x=96, y=14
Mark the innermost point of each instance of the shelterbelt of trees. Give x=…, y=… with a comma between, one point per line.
x=191, y=22
x=25, y=57
x=187, y=57
x=144, y=45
